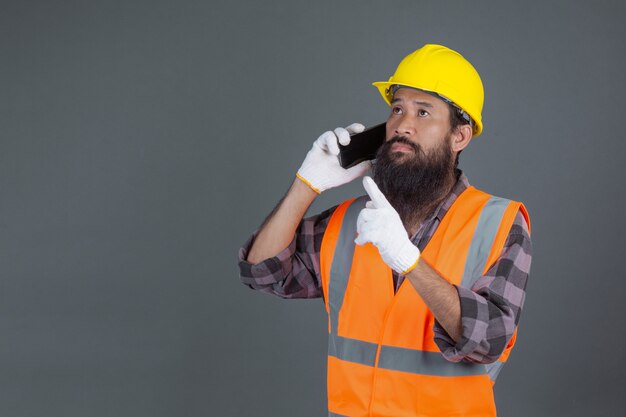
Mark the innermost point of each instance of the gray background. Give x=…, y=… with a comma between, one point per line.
x=142, y=141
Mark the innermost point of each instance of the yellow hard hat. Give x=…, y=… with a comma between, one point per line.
x=440, y=70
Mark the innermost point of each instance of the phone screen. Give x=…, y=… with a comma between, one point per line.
x=362, y=146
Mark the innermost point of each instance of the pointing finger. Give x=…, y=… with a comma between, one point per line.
x=378, y=198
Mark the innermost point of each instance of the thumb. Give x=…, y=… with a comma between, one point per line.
x=378, y=198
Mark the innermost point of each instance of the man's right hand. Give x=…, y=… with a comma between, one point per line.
x=321, y=170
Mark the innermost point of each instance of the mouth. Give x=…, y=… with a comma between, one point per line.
x=401, y=147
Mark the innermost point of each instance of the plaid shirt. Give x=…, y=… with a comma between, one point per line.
x=490, y=310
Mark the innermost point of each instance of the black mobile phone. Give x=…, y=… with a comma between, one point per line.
x=362, y=146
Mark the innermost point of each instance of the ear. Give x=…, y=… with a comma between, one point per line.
x=461, y=137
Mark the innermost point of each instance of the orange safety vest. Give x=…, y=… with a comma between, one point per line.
x=382, y=358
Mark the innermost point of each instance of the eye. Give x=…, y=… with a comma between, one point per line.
x=396, y=110
x=422, y=113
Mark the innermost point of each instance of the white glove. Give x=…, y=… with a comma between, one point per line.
x=380, y=224
x=321, y=170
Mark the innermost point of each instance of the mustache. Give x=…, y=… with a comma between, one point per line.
x=405, y=141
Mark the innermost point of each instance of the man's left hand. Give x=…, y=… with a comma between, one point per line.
x=380, y=224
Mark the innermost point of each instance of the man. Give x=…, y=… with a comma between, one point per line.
x=424, y=278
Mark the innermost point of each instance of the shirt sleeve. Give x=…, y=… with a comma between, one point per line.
x=490, y=310
x=295, y=271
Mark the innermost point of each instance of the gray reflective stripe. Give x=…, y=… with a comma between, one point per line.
x=493, y=369
x=352, y=350
x=331, y=414
x=399, y=359
x=425, y=363
x=342, y=260
x=485, y=233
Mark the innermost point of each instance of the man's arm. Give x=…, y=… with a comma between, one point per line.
x=440, y=296
x=471, y=324
x=294, y=272
x=280, y=227
x=490, y=311
x=319, y=171
x=272, y=260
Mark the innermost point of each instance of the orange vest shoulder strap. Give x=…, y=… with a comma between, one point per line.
x=456, y=247
x=479, y=220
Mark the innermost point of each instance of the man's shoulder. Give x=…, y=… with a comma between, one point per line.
x=521, y=219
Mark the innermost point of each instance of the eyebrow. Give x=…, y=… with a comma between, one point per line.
x=421, y=103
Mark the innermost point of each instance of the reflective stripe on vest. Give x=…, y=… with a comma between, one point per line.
x=342, y=261
x=401, y=359
x=483, y=238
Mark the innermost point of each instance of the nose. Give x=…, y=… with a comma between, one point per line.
x=404, y=127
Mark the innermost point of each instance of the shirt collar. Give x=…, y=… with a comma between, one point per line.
x=461, y=185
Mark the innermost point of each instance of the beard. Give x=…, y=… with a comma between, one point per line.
x=414, y=182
